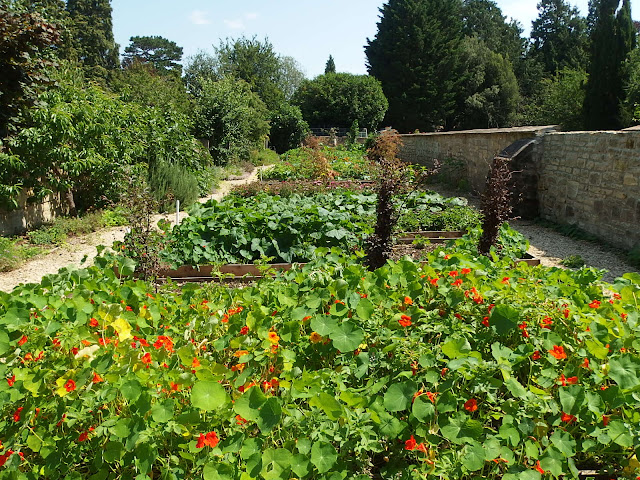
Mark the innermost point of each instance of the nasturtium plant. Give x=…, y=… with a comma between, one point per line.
x=459, y=368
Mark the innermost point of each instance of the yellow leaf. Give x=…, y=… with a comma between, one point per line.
x=61, y=391
x=123, y=328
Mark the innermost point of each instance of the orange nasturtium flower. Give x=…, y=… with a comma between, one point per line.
x=209, y=440
x=315, y=337
x=471, y=405
x=558, y=352
x=595, y=304
x=164, y=341
x=408, y=301
x=273, y=337
x=195, y=362
x=97, y=378
x=70, y=385
x=146, y=358
x=93, y=322
x=405, y=320
x=22, y=340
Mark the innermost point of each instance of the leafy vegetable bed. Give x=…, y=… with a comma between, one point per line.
x=289, y=229
x=297, y=165
x=461, y=369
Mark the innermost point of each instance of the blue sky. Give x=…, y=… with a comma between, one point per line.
x=306, y=30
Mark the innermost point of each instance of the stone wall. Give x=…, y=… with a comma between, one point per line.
x=592, y=180
x=471, y=150
x=31, y=215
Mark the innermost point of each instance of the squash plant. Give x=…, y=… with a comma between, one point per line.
x=460, y=369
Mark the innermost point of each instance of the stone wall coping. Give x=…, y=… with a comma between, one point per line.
x=484, y=131
x=628, y=131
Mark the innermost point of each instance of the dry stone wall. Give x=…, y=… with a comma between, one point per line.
x=587, y=179
x=592, y=180
x=31, y=215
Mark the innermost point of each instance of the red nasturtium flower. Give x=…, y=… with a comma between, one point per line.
x=595, y=304
x=585, y=363
x=605, y=420
x=411, y=444
x=546, y=323
x=83, y=436
x=434, y=281
x=195, y=363
x=538, y=468
x=405, y=320
x=505, y=280
x=97, y=378
x=457, y=283
x=408, y=301
x=471, y=405
x=16, y=414
x=565, y=417
x=146, y=358
x=11, y=380
x=244, y=330
x=93, y=322
x=485, y=321
x=453, y=273
x=164, y=341
x=536, y=355
x=70, y=385
x=558, y=352
x=209, y=440
x=23, y=340
x=466, y=271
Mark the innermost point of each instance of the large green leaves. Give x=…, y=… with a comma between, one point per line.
x=208, y=396
x=624, y=371
x=346, y=337
x=323, y=456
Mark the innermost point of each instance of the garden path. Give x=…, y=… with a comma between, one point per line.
x=80, y=251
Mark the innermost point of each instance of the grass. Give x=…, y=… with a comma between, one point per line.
x=14, y=252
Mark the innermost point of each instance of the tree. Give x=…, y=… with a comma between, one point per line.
x=562, y=100
x=291, y=76
x=491, y=95
x=231, y=117
x=416, y=57
x=330, y=67
x=256, y=63
x=559, y=37
x=612, y=39
x=163, y=54
x=143, y=84
x=91, y=37
x=484, y=19
x=288, y=128
x=200, y=68
x=26, y=50
x=337, y=99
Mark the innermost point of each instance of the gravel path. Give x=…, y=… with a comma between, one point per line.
x=80, y=251
x=547, y=244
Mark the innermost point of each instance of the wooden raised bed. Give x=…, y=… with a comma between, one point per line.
x=188, y=273
x=433, y=236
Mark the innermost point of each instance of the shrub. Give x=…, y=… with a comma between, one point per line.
x=288, y=128
x=169, y=183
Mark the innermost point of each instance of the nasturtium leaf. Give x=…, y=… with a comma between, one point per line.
x=624, y=371
x=122, y=428
x=456, y=347
x=571, y=398
x=162, y=412
x=275, y=462
x=218, y=471
x=460, y=429
x=620, y=433
x=398, y=397
x=300, y=465
x=131, y=390
x=515, y=387
x=346, y=337
x=323, y=456
x=323, y=324
x=328, y=404
x=552, y=462
x=473, y=457
x=564, y=442
x=365, y=309
x=269, y=414
x=34, y=442
x=389, y=425
x=5, y=344
x=113, y=452
x=248, y=405
x=250, y=447
x=523, y=475
x=303, y=445
x=597, y=349
x=208, y=395
x=423, y=409
x=504, y=318
x=338, y=310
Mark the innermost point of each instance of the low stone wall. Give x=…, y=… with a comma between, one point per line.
x=31, y=215
x=471, y=150
x=592, y=180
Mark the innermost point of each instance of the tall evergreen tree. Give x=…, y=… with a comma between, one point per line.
x=330, y=66
x=484, y=19
x=416, y=57
x=559, y=37
x=611, y=41
x=163, y=54
x=92, y=43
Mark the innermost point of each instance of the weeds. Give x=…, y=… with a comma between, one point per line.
x=496, y=204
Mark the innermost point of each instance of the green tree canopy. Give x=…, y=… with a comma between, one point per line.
x=26, y=50
x=91, y=37
x=559, y=37
x=612, y=39
x=337, y=99
x=330, y=66
x=491, y=95
x=163, y=54
x=416, y=55
x=231, y=117
x=484, y=19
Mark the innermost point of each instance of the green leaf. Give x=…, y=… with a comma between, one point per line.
x=398, y=397
x=624, y=371
x=113, y=452
x=323, y=456
x=564, y=442
x=300, y=465
x=346, y=337
x=456, y=347
x=572, y=398
x=208, y=396
x=5, y=344
x=597, y=349
x=364, y=309
x=423, y=409
x=328, y=404
x=323, y=324
x=269, y=414
x=620, y=433
x=473, y=457
x=516, y=388
x=504, y=318
x=218, y=471
x=275, y=462
x=249, y=404
x=460, y=429
x=131, y=390
x=163, y=412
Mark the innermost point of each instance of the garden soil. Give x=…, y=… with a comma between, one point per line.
x=548, y=245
